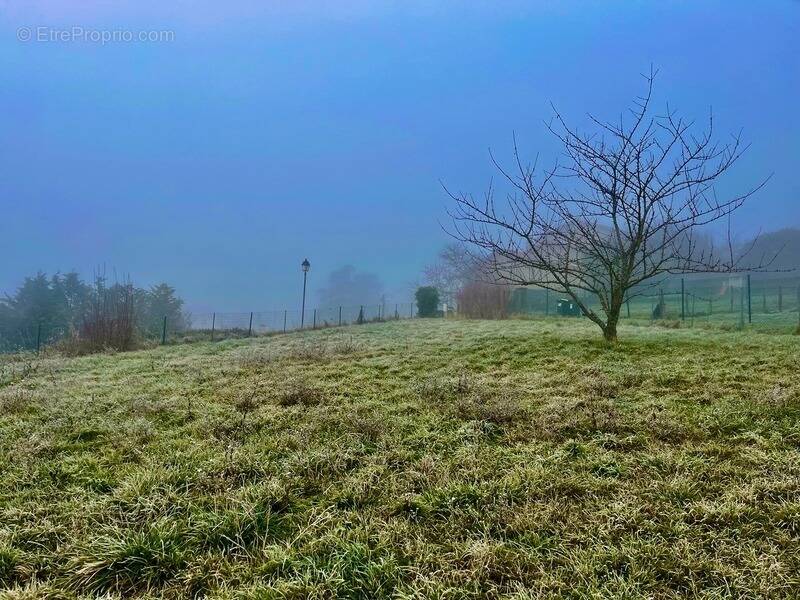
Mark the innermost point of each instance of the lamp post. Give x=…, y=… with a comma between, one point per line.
x=305, y=265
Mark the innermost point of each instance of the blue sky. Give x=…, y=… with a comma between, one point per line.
x=265, y=132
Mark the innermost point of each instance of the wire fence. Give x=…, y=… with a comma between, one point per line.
x=218, y=324
x=34, y=336
x=765, y=301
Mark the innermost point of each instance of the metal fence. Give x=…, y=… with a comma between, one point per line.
x=222, y=325
x=218, y=324
x=766, y=301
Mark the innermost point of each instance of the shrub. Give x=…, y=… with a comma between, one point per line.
x=478, y=300
x=44, y=310
x=108, y=323
x=427, y=301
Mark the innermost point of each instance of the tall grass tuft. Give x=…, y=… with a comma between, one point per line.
x=132, y=563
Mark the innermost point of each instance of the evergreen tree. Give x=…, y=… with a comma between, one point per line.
x=427, y=301
x=62, y=303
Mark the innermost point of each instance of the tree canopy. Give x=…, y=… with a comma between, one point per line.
x=49, y=307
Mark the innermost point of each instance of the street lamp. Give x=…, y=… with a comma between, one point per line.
x=305, y=265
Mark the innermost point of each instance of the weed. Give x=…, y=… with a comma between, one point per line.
x=346, y=347
x=257, y=358
x=314, y=351
x=299, y=392
x=15, y=400
x=497, y=409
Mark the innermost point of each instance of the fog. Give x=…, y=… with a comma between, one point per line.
x=348, y=287
x=218, y=159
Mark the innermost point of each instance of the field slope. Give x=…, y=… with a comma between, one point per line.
x=424, y=459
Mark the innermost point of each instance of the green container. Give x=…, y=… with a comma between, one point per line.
x=567, y=308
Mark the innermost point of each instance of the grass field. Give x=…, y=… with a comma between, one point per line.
x=422, y=459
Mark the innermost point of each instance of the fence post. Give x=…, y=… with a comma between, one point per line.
x=340, y=316
x=741, y=307
x=396, y=314
x=732, y=307
x=164, y=331
x=749, y=301
x=683, y=299
x=39, y=337
x=213, y=324
x=250, y=327
x=314, y=322
x=284, y=321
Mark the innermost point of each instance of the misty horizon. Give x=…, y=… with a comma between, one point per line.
x=219, y=157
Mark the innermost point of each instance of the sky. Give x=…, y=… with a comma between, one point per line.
x=239, y=138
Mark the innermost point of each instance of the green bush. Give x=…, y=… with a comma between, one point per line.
x=427, y=301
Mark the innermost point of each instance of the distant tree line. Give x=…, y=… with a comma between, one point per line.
x=49, y=308
x=465, y=282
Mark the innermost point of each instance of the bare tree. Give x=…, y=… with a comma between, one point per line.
x=454, y=268
x=622, y=211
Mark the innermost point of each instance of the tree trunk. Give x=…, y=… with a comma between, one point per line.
x=610, y=328
x=610, y=331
